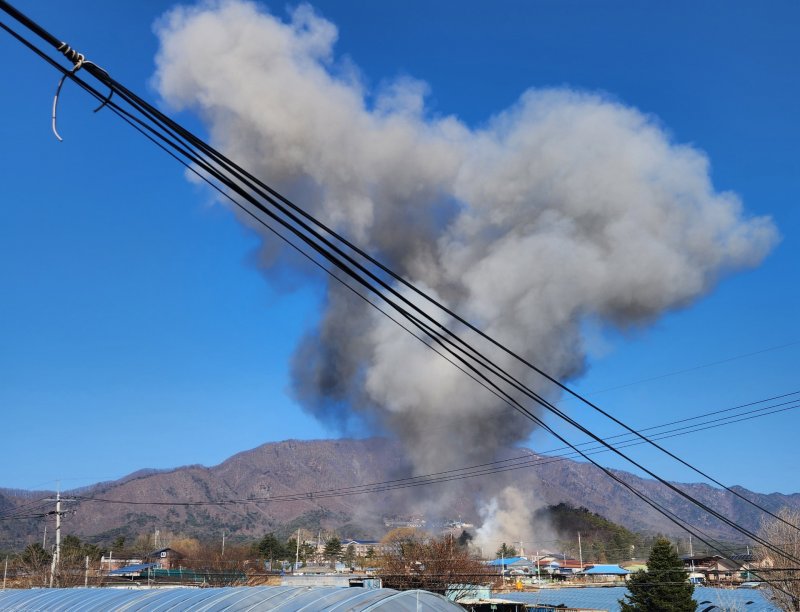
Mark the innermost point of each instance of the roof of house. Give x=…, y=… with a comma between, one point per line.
x=711, y=560
x=157, y=553
x=507, y=561
x=131, y=569
x=615, y=570
x=571, y=563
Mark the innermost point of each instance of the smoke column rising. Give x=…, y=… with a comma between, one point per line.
x=564, y=207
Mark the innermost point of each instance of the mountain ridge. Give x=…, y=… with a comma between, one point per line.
x=299, y=466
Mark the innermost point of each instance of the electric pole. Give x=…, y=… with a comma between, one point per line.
x=580, y=550
x=54, y=568
x=297, y=552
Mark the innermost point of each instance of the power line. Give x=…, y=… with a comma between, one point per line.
x=296, y=221
x=483, y=469
x=434, y=335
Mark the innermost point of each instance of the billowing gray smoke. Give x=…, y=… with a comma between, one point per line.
x=566, y=206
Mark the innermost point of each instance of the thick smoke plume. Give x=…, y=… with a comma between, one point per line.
x=509, y=518
x=565, y=207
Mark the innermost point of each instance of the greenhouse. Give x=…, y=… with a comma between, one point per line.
x=255, y=599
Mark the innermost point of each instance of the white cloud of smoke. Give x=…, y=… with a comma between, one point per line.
x=566, y=206
x=508, y=518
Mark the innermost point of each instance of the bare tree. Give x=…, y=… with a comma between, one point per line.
x=782, y=573
x=209, y=566
x=416, y=561
x=33, y=565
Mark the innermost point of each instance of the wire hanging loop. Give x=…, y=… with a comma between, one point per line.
x=78, y=60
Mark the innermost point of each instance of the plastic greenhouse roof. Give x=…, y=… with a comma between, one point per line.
x=607, y=598
x=255, y=599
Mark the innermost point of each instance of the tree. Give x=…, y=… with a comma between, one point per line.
x=35, y=555
x=506, y=551
x=598, y=552
x=118, y=544
x=433, y=564
x=35, y=562
x=664, y=587
x=350, y=555
x=219, y=569
x=784, y=577
x=303, y=553
x=269, y=547
x=72, y=568
x=333, y=549
x=307, y=551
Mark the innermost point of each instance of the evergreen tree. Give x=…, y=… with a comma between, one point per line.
x=118, y=544
x=506, y=551
x=36, y=556
x=333, y=549
x=350, y=555
x=269, y=547
x=664, y=587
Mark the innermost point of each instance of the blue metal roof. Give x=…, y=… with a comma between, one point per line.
x=506, y=561
x=606, y=569
x=256, y=599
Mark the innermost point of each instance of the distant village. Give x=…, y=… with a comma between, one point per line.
x=410, y=556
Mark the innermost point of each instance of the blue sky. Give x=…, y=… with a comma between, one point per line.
x=137, y=331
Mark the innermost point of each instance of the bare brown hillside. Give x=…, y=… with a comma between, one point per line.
x=146, y=498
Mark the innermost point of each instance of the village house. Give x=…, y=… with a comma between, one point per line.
x=122, y=559
x=564, y=568
x=714, y=568
x=604, y=573
x=517, y=566
x=362, y=547
x=164, y=558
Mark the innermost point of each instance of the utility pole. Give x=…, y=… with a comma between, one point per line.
x=223, y=543
x=5, y=572
x=86, y=573
x=297, y=552
x=57, y=555
x=580, y=550
x=44, y=539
